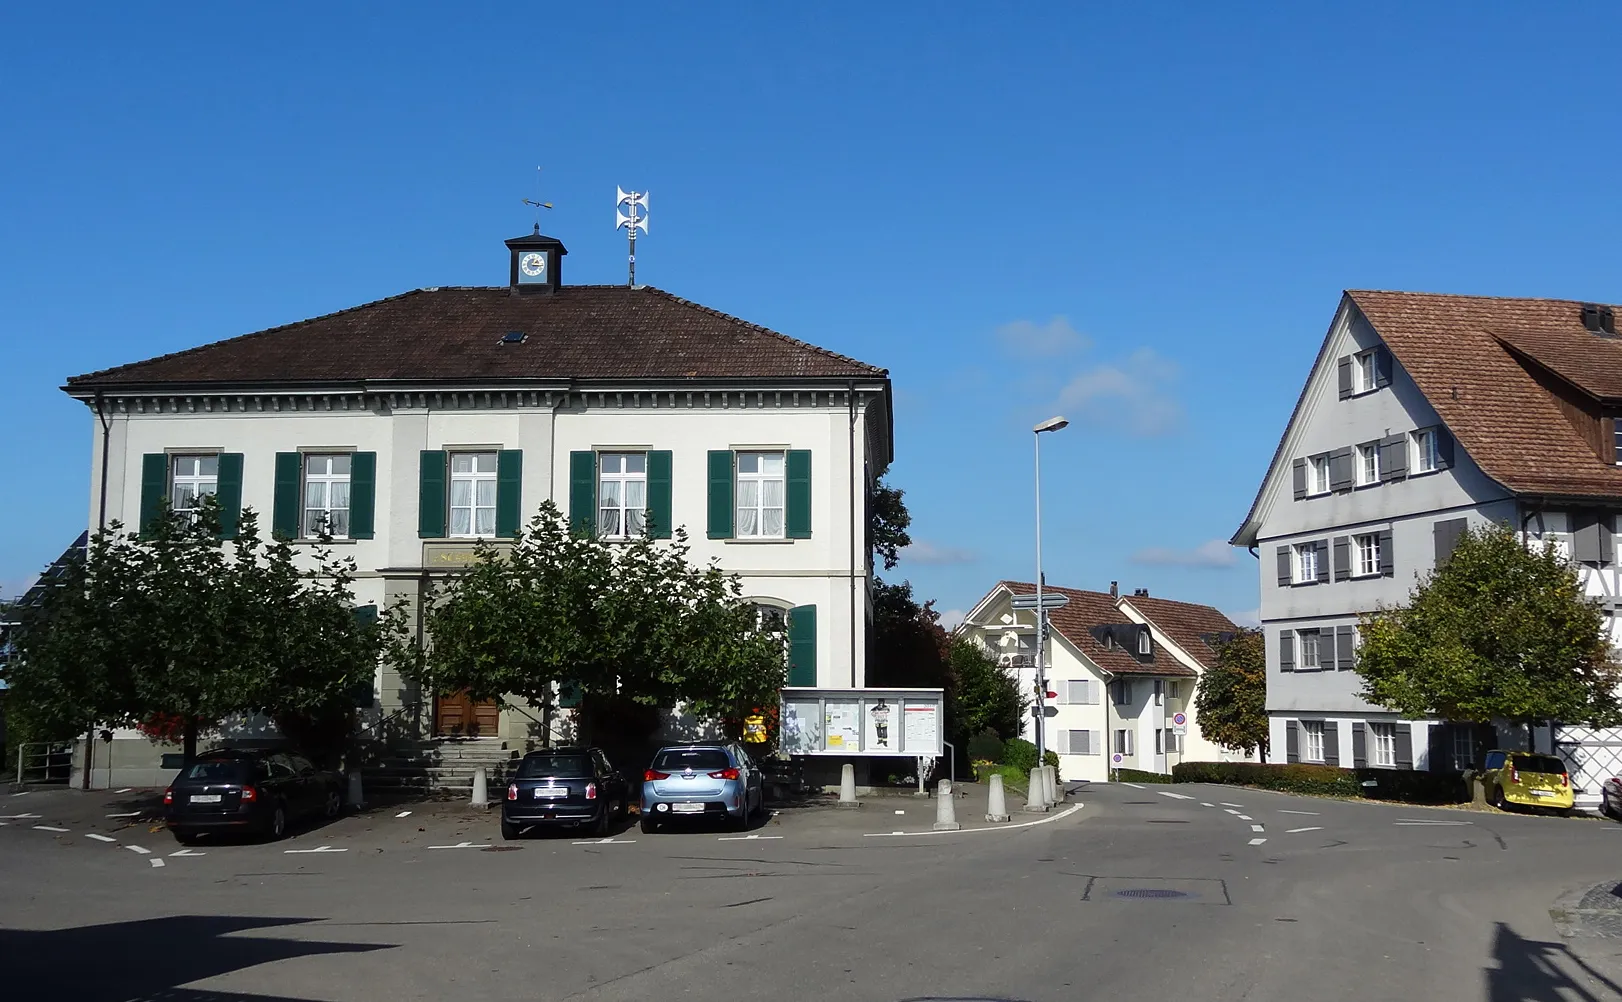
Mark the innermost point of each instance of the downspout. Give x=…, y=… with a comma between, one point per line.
x=101, y=524
x=856, y=613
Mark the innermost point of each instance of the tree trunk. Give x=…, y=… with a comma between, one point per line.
x=189, y=741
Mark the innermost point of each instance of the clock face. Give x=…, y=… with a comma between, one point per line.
x=532, y=264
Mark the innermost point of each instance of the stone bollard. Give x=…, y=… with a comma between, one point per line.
x=357, y=797
x=997, y=806
x=945, y=808
x=1055, y=795
x=481, y=788
x=1035, y=797
x=847, y=786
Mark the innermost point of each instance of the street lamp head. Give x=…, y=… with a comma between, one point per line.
x=1051, y=424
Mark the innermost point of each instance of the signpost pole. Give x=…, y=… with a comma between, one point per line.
x=1041, y=618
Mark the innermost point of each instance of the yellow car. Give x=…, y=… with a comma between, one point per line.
x=1529, y=780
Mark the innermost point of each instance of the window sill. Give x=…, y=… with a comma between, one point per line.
x=760, y=541
x=1372, y=483
x=317, y=542
x=1414, y=474
x=1304, y=584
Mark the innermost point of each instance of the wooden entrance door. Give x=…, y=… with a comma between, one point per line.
x=463, y=717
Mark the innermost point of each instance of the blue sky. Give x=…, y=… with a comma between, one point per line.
x=1138, y=215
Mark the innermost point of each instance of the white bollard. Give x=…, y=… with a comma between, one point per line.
x=847, y=786
x=1050, y=785
x=1035, y=799
x=945, y=808
x=1055, y=785
x=481, y=788
x=357, y=797
x=997, y=806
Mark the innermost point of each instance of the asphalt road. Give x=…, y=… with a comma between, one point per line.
x=1140, y=894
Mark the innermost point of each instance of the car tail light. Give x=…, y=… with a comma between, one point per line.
x=725, y=774
x=1514, y=775
x=168, y=797
x=653, y=774
x=512, y=791
x=249, y=794
x=591, y=791
x=1565, y=779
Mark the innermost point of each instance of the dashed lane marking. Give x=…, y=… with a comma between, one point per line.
x=403, y=814
x=1204, y=804
x=1313, y=813
x=186, y=852
x=588, y=841
x=155, y=861
x=319, y=848
x=1257, y=841
x=750, y=838
x=1244, y=817
x=1232, y=811
x=99, y=838
x=126, y=814
x=1297, y=831
x=1430, y=824
x=461, y=845
x=19, y=817
x=1133, y=785
x=1224, y=803
x=140, y=849
x=1175, y=796
x=48, y=828
x=22, y=793
x=125, y=789
x=1258, y=828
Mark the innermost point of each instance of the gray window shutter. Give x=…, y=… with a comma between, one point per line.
x=1331, y=743
x=1440, y=744
x=1607, y=539
x=1447, y=533
x=1444, y=449
x=1299, y=468
x=1388, y=559
x=1284, y=573
x=1345, y=367
x=1326, y=649
x=1405, y=746
x=1343, y=557
x=1345, y=647
x=1360, y=746
x=1322, y=546
x=1592, y=541
x=1382, y=366
x=1394, y=457
x=1286, y=651
x=1340, y=469
x=1292, y=741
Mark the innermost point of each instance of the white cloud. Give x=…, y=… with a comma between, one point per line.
x=952, y=618
x=1209, y=554
x=1028, y=339
x=1134, y=396
x=924, y=552
x=1249, y=617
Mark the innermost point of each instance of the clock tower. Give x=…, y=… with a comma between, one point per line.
x=537, y=263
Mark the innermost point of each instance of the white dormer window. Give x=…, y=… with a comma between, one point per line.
x=1365, y=368
x=1143, y=642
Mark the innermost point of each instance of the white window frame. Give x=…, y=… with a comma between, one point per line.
x=1123, y=741
x=474, y=478
x=1086, y=691
x=1383, y=745
x=760, y=481
x=1365, y=371
x=327, y=480
x=1302, y=647
x=1318, y=476
x=1145, y=644
x=1174, y=689
x=1304, y=557
x=1160, y=740
x=1174, y=742
x=1463, y=748
x=1160, y=692
x=1423, y=456
x=1312, y=740
x=1366, y=555
x=1368, y=464
x=185, y=470
x=1090, y=747
x=624, y=513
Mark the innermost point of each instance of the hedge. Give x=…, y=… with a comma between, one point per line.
x=1403, y=785
x=1139, y=776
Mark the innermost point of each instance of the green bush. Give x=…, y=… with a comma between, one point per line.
x=1019, y=753
x=1411, y=786
x=1051, y=757
x=1318, y=780
x=1139, y=776
x=1013, y=780
x=986, y=747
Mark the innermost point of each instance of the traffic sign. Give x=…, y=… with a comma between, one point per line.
x=1179, y=719
x=1116, y=758
x=1050, y=600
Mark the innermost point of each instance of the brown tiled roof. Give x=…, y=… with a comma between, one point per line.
x=453, y=335
x=1086, y=609
x=1454, y=348
x=1185, y=623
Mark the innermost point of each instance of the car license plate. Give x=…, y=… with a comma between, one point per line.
x=687, y=808
x=1542, y=793
x=552, y=792
x=205, y=798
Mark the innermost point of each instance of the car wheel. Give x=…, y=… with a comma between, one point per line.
x=600, y=828
x=185, y=837
x=278, y=824
x=649, y=826
x=1495, y=797
x=334, y=805
x=510, y=831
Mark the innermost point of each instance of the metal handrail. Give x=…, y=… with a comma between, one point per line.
x=52, y=763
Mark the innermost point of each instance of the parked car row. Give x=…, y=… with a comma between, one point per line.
x=259, y=792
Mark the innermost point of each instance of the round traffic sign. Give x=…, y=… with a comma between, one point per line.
x=1179, y=719
x=1117, y=758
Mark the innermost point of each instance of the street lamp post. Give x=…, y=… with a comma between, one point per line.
x=1051, y=424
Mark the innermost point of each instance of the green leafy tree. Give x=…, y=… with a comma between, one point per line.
x=887, y=522
x=179, y=623
x=1231, y=698
x=1501, y=630
x=984, y=695
x=634, y=620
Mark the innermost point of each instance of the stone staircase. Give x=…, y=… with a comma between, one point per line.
x=443, y=765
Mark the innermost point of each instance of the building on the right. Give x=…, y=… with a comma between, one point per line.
x=1424, y=414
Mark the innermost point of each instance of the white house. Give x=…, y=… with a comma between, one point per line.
x=1146, y=654
x=413, y=426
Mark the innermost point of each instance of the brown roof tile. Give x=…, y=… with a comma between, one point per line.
x=1086, y=609
x=453, y=335
x=1185, y=623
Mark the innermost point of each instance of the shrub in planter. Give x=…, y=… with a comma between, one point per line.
x=1320, y=780
x=1410, y=786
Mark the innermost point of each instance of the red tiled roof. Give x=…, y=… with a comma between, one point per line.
x=1185, y=623
x=450, y=335
x=1087, y=609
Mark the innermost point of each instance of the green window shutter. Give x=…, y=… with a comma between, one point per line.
x=570, y=695
x=583, y=493
x=154, y=489
x=288, y=501
x=366, y=615
x=798, y=517
x=228, y=492
x=722, y=497
x=363, y=496
x=659, y=464
x=509, y=491
x=802, y=645
x=431, y=494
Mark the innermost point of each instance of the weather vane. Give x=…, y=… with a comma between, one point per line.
x=538, y=205
x=632, y=217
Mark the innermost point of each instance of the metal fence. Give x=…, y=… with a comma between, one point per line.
x=44, y=763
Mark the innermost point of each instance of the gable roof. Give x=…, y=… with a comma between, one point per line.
x=1494, y=369
x=1085, y=609
x=1185, y=623
x=453, y=335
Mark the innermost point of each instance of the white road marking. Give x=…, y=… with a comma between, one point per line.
x=125, y=789
x=19, y=817
x=319, y=848
x=464, y=845
x=901, y=812
x=139, y=849
x=1133, y=785
x=1244, y=817
x=1430, y=824
x=403, y=814
x=1297, y=831
x=48, y=828
x=1257, y=841
x=23, y=793
x=750, y=838
x=187, y=852
x=1313, y=813
x=4, y=824
x=1204, y=804
x=1224, y=803
x=1258, y=828
x=99, y=838
x=130, y=814
x=155, y=861
x=610, y=840
x=998, y=828
x=1175, y=796
x=1232, y=811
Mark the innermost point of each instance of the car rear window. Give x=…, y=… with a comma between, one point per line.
x=1542, y=764
x=554, y=765
x=697, y=759
x=218, y=770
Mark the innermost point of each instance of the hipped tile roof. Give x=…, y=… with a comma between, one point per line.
x=1187, y=624
x=454, y=335
x=1086, y=609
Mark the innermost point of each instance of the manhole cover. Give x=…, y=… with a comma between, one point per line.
x=1152, y=893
